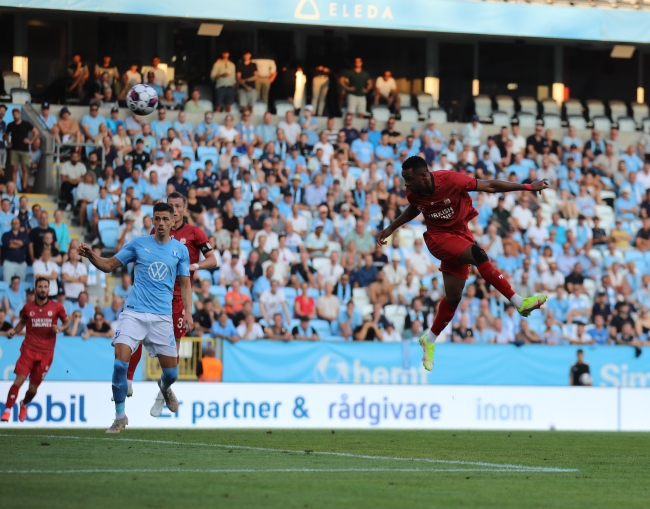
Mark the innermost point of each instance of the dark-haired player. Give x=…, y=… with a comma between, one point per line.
x=147, y=314
x=196, y=242
x=443, y=198
x=37, y=351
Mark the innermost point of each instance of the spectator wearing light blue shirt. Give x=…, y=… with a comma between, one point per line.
x=90, y=122
x=637, y=190
x=266, y=131
x=625, y=206
x=294, y=159
x=160, y=127
x=374, y=136
x=245, y=129
x=316, y=193
x=348, y=320
x=309, y=125
x=507, y=262
x=599, y=333
x=559, y=305
x=154, y=190
x=138, y=184
x=45, y=116
x=184, y=129
x=482, y=334
x=384, y=151
x=362, y=151
x=632, y=161
x=223, y=328
x=148, y=140
x=5, y=216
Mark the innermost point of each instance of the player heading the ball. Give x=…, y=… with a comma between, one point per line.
x=147, y=314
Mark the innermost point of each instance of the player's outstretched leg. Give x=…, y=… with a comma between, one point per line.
x=29, y=396
x=12, y=397
x=444, y=315
x=120, y=387
x=524, y=305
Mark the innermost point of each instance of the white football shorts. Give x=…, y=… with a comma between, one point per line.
x=156, y=331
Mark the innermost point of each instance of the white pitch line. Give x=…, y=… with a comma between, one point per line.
x=249, y=470
x=521, y=468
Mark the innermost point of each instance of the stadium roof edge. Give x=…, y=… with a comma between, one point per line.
x=442, y=16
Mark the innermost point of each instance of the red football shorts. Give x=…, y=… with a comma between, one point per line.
x=178, y=313
x=34, y=364
x=448, y=247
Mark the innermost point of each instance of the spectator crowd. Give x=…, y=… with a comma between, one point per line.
x=293, y=210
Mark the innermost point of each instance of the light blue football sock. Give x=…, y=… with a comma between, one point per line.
x=120, y=386
x=169, y=376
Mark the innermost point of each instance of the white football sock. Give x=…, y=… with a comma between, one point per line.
x=431, y=337
x=130, y=382
x=119, y=416
x=160, y=395
x=517, y=300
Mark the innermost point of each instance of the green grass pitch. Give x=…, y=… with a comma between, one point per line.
x=323, y=469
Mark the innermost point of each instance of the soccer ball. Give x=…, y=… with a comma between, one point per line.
x=142, y=99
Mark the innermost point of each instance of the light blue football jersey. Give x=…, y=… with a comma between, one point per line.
x=156, y=268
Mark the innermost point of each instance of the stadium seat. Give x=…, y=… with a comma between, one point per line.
x=405, y=100
x=4, y=286
x=20, y=96
x=206, y=104
x=26, y=285
x=187, y=151
x=528, y=105
x=639, y=112
x=618, y=109
x=633, y=256
x=322, y=327
x=552, y=121
x=202, y=152
x=215, y=276
x=11, y=80
x=602, y=123
x=108, y=233
x=573, y=108
x=437, y=115
x=577, y=122
x=314, y=293
x=425, y=103
x=218, y=291
x=334, y=246
x=645, y=125
x=483, y=106
x=501, y=118
x=550, y=107
x=380, y=112
x=526, y=119
x=506, y=104
x=595, y=108
x=282, y=106
x=318, y=262
x=260, y=108
x=626, y=125
x=147, y=210
x=204, y=274
x=356, y=172
x=409, y=114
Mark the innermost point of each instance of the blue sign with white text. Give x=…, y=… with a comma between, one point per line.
x=400, y=363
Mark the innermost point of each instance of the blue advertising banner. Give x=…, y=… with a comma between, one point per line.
x=400, y=363
x=446, y=16
x=74, y=359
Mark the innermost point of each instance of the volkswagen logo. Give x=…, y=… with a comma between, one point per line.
x=157, y=271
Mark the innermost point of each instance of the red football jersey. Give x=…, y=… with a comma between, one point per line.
x=450, y=207
x=196, y=242
x=40, y=320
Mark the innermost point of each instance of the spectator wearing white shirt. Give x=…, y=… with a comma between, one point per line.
x=280, y=270
x=491, y=147
x=160, y=75
x=522, y=215
x=386, y=91
x=394, y=272
x=231, y=271
x=325, y=146
x=164, y=169
x=518, y=141
x=472, y=132
x=267, y=71
x=227, y=132
x=290, y=128
x=331, y=271
x=272, y=240
x=44, y=267
x=273, y=301
x=250, y=329
x=419, y=262
x=390, y=334
x=297, y=220
x=552, y=278
x=571, y=138
x=344, y=223
x=75, y=276
x=502, y=336
x=537, y=234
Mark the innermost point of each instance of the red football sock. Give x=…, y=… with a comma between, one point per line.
x=445, y=314
x=133, y=363
x=12, y=397
x=496, y=279
x=29, y=396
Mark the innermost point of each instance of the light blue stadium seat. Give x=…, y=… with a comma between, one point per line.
x=633, y=256
x=210, y=157
x=246, y=291
x=3, y=286
x=147, y=210
x=289, y=293
x=356, y=172
x=26, y=285
x=256, y=308
x=215, y=277
x=187, y=151
x=313, y=292
x=108, y=232
x=218, y=290
x=322, y=327
x=177, y=162
x=205, y=274
x=201, y=152
x=245, y=244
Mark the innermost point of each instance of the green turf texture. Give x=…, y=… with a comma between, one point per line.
x=614, y=470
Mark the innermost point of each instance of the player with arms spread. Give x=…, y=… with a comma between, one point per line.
x=37, y=350
x=442, y=197
x=196, y=242
x=147, y=314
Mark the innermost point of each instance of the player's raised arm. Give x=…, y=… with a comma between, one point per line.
x=501, y=186
x=409, y=214
x=103, y=264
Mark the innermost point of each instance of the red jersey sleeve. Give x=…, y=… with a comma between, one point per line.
x=23, y=314
x=201, y=240
x=60, y=312
x=463, y=183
